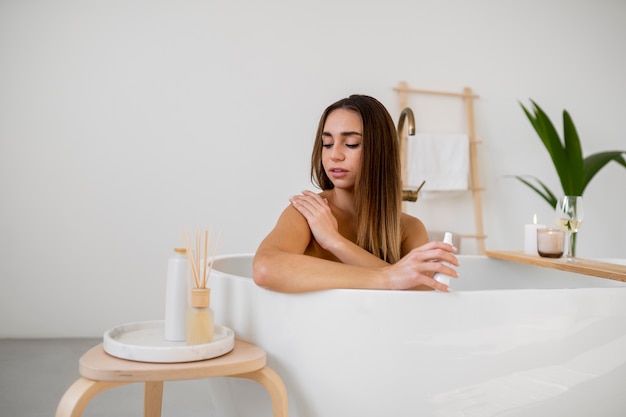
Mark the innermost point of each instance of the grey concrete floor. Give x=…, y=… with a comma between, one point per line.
x=35, y=373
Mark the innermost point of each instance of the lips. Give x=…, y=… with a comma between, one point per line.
x=337, y=172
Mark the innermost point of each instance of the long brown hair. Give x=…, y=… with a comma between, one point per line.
x=378, y=191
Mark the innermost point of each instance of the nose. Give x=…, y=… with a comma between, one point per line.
x=336, y=153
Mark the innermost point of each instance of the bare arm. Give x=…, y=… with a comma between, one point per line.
x=325, y=229
x=280, y=263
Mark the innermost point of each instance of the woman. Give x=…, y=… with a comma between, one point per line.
x=353, y=234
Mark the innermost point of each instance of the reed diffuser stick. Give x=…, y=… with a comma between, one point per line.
x=206, y=253
x=200, y=315
x=201, y=272
x=190, y=256
x=198, y=252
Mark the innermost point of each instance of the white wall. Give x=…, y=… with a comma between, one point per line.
x=123, y=123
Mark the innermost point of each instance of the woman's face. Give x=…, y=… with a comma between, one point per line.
x=342, y=141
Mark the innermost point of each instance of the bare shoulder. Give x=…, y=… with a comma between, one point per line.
x=291, y=233
x=414, y=233
x=411, y=223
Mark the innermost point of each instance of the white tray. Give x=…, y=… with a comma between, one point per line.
x=144, y=342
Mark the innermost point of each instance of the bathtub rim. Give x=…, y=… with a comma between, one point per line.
x=592, y=281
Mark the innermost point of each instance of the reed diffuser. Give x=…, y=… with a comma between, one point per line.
x=200, y=315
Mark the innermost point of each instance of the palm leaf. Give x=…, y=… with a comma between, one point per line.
x=574, y=168
x=574, y=172
x=551, y=140
x=546, y=194
x=594, y=163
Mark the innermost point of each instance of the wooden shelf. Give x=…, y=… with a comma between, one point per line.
x=587, y=267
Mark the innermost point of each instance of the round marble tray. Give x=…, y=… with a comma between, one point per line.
x=144, y=342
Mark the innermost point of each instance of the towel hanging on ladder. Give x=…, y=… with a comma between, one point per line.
x=441, y=159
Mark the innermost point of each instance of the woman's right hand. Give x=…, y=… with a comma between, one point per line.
x=418, y=266
x=319, y=216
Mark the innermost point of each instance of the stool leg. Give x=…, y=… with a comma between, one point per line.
x=274, y=385
x=79, y=394
x=153, y=399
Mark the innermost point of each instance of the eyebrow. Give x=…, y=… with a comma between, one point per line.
x=344, y=134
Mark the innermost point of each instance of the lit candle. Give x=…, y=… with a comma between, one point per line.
x=530, y=236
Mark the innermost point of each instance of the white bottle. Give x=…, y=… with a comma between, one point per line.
x=176, y=297
x=439, y=277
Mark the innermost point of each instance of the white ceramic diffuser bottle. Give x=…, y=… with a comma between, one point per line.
x=439, y=277
x=176, y=296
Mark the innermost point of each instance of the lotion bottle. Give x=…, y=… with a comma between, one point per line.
x=439, y=277
x=176, y=297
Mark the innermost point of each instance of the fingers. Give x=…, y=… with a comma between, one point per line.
x=437, y=245
x=310, y=205
x=438, y=286
x=441, y=268
x=319, y=216
x=420, y=265
x=301, y=206
x=308, y=200
x=430, y=260
x=311, y=198
x=434, y=254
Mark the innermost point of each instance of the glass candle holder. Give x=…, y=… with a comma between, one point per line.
x=550, y=242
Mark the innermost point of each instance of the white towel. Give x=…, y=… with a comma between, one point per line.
x=440, y=159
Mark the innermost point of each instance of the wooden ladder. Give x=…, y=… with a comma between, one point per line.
x=475, y=187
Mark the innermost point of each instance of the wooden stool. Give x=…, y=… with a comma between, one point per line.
x=100, y=371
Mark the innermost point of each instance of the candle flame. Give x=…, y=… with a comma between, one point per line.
x=535, y=218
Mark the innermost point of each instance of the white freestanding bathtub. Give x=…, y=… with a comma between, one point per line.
x=509, y=340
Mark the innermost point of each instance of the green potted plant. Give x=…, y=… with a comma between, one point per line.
x=574, y=171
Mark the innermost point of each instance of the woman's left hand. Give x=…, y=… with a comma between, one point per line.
x=418, y=267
